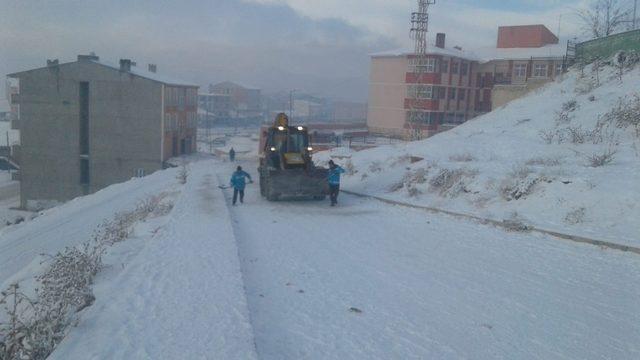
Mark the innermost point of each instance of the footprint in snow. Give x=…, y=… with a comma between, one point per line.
x=355, y=310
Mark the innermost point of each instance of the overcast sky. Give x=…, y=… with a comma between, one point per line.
x=320, y=46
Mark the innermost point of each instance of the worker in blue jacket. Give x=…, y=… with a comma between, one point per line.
x=334, y=181
x=238, y=183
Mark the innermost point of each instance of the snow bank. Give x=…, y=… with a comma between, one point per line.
x=530, y=160
x=176, y=292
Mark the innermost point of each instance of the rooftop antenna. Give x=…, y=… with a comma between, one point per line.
x=419, y=29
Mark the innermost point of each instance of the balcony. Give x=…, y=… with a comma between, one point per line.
x=421, y=104
x=423, y=78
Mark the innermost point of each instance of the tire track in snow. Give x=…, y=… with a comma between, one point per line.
x=233, y=223
x=554, y=234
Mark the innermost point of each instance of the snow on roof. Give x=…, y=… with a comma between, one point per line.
x=548, y=51
x=147, y=74
x=486, y=54
x=141, y=72
x=432, y=50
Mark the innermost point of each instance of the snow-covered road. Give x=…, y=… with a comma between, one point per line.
x=427, y=286
x=302, y=280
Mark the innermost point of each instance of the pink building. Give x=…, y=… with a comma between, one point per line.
x=407, y=96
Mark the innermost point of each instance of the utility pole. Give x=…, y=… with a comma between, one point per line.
x=419, y=29
x=635, y=16
x=291, y=105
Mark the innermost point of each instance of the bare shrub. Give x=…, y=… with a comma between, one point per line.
x=562, y=117
x=375, y=166
x=601, y=159
x=543, y=161
x=451, y=182
x=183, y=173
x=547, y=135
x=410, y=180
x=413, y=191
x=36, y=326
x=516, y=223
x=519, y=184
x=570, y=106
x=577, y=135
x=576, y=216
x=465, y=157
x=626, y=114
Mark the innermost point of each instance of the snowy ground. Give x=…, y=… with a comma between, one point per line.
x=429, y=287
x=365, y=280
x=477, y=167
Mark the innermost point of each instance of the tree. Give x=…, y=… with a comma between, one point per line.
x=604, y=17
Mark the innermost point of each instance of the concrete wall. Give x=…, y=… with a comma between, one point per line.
x=387, y=91
x=504, y=94
x=124, y=126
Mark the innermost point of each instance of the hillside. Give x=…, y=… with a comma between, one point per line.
x=565, y=158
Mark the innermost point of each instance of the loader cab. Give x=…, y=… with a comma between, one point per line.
x=287, y=147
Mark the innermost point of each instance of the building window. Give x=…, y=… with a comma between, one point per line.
x=422, y=65
x=443, y=92
x=464, y=68
x=452, y=93
x=83, y=100
x=444, y=66
x=461, y=94
x=454, y=67
x=540, y=70
x=421, y=117
x=420, y=92
x=558, y=68
x=520, y=70
x=85, y=178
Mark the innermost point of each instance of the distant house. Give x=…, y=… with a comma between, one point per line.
x=87, y=124
x=245, y=101
x=525, y=58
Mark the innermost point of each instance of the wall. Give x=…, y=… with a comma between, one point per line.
x=603, y=48
x=503, y=94
x=124, y=123
x=527, y=36
x=387, y=91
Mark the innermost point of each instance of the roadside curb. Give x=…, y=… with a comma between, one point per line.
x=499, y=224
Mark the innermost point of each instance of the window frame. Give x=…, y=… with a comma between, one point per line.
x=538, y=69
x=516, y=72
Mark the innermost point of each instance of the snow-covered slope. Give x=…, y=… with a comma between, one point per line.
x=529, y=160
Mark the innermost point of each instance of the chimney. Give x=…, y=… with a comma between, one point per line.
x=125, y=65
x=440, y=38
x=153, y=68
x=52, y=63
x=91, y=57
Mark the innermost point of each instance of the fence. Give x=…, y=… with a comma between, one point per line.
x=605, y=47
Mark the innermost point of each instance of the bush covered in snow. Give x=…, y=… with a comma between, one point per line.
x=35, y=326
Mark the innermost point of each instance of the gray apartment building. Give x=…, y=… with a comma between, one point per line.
x=88, y=124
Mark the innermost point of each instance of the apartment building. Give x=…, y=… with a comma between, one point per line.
x=87, y=124
x=411, y=98
x=408, y=96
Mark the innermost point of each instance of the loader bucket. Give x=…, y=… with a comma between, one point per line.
x=296, y=184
